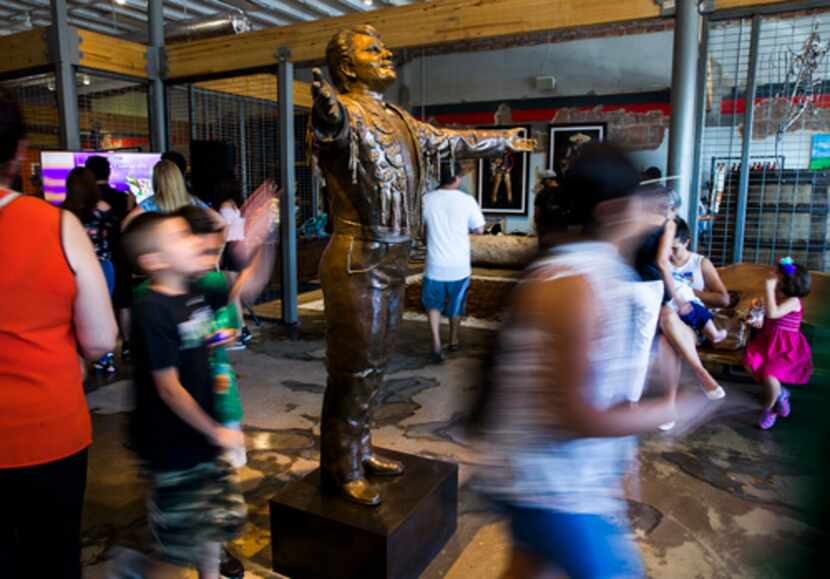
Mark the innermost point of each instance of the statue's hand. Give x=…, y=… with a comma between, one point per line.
x=519, y=143
x=325, y=99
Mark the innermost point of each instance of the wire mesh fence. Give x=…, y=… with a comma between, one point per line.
x=241, y=113
x=113, y=113
x=37, y=98
x=787, y=193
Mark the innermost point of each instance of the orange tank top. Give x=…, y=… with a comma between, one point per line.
x=43, y=412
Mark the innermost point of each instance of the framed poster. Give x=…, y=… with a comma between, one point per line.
x=820, y=157
x=502, y=183
x=567, y=140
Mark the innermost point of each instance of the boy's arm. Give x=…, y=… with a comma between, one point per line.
x=255, y=276
x=179, y=400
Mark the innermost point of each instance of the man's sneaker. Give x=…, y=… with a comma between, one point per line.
x=437, y=357
x=246, y=336
x=231, y=567
x=767, y=419
x=236, y=346
x=782, y=405
x=125, y=352
x=105, y=364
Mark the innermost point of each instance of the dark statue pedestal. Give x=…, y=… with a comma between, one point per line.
x=316, y=534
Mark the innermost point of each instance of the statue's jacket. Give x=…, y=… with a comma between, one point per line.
x=374, y=193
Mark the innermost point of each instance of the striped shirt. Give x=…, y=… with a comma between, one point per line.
x=536, y=463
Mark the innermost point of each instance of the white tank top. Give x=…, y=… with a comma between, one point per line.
x=690, y=272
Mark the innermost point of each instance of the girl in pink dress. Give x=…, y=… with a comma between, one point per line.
x=780, y=352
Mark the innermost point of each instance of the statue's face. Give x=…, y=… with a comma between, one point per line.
x=372, y=62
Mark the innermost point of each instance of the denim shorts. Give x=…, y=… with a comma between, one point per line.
x=448, y=297
x=584, y=546
x=697, y=317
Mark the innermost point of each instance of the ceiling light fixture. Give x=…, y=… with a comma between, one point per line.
x=121, y=2
x=368, y=2
x=85, y=80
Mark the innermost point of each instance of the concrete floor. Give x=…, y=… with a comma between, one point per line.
x=719, y=500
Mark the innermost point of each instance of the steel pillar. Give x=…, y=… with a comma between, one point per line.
x=155, y=53
x=63, y=43
x=684, y=82
x=243, y=147
x=700, y=121
x=749, y=118
x=288, y=220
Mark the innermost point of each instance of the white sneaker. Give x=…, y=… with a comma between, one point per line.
x=668, y=426
x=715, y=394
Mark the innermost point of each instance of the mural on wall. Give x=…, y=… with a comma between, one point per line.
x=502, y=183
x=566, y=141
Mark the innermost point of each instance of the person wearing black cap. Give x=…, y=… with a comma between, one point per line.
x=557, y=421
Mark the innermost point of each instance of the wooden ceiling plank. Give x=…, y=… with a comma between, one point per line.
x=414, y=25
x=24, y=50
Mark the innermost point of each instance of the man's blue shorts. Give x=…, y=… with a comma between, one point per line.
x=449, y=297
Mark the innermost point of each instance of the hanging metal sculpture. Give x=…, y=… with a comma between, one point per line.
x=799, y=87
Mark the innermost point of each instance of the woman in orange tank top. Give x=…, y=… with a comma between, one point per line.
x=53, y=306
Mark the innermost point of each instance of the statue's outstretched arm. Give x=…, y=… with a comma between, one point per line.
x=327, y=113
x=472, y=143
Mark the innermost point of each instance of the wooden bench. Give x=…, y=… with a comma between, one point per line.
x=747, y=279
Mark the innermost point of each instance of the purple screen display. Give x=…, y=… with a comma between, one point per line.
x=129, y=172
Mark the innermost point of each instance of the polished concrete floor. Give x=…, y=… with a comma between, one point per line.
x=719, y=499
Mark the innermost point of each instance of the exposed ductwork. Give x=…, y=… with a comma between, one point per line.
x=207, y=27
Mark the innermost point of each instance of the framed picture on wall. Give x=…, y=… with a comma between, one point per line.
x=567, y=139
x=502, y=183
x=820, y=154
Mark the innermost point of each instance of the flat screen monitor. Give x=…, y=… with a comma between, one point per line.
x=129, y=172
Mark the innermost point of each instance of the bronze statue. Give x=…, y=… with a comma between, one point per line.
x=376, y=159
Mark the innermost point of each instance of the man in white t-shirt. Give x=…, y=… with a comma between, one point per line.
x=449, y=216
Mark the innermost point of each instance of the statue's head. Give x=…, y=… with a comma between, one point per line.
x=357, y=56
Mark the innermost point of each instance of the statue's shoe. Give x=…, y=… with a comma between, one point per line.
x=382, y=466
x=360, y=491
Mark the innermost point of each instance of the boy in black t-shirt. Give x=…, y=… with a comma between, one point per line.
x=194, y=504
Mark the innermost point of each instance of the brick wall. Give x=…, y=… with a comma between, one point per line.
x=633, y=131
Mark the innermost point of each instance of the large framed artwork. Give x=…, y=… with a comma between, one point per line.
x=502, y=183
x=567, y=139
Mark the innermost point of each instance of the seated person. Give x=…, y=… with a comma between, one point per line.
x=692, y=311
x=690, y=272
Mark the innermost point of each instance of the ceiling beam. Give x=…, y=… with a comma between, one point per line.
x=27, y=49
x=418, y=24
x=412, y=25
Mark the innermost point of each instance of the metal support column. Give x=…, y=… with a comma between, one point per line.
x=684, y=82
x=155, y=53
x=191, y=111
x=749, y=117
x=243, y=147
x=63, y=43
x=700, y=121
x=288, y=220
